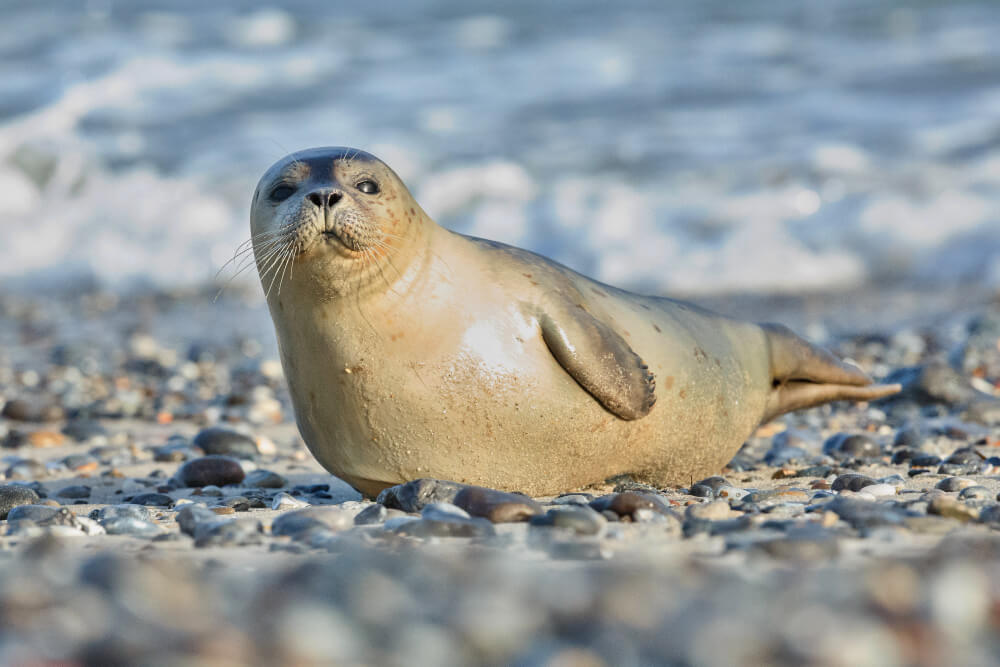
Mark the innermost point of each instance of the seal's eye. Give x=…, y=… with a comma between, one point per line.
x=281, y=193
x=368, y=186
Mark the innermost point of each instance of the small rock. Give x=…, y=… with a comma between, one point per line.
x=852, y=482
x=85, y=431
x=714, y=511
x=80, y=463
x=283, y=501
x=127, y=525
x=924, y=461
x=28, y=469
x=34, y=409
x=193, y=514
x=701, y=491
x=805, y=546
x=954, y=484
x=952, y=508
x=373, y=514
x=151, y=499
x=223, y=441
x=74, y=492
x=232, y=532
x=975, y=493
x=625, y=504
x=497, y=506
x=122, y=510
x=579, y=519
x=265, y=479
x=173, y=452
x=15, y=495
x=299, y=524
x=40, y=514
x=217, y=470
x=414, y=496
x=848, y=446
x=443, y=512
x=715, y=482
x=880, y=490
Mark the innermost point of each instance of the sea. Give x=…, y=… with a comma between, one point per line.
x=673, y=147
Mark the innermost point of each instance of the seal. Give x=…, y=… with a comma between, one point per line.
x=413, y=351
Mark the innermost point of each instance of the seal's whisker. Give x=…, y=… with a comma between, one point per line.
x=289, y=257
x=274, y=275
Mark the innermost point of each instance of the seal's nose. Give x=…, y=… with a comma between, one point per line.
x=321, y=198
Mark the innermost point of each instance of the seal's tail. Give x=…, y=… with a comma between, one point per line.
x=804, y=375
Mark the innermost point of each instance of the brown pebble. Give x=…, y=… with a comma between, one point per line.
x=820, y=484
x=625, y=504
x=497, y=506
x=46, y=439
x=783, y=473
x=223, y=510
x=951, y=508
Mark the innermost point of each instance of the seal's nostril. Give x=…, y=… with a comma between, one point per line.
x=334, y=198
x=315, y=198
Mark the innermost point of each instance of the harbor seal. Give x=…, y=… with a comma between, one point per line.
x=413, y=351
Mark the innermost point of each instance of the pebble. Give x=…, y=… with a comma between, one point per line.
x=193, y=514
x=229, y=533
x=954, y=484
x=34, y=409
x=80, y=463
x=214, y=470
x=283, y=501
x=952, y=508
x=15, y=495
x=852, y=446
x=625, y=504
x=713, y=511
x=865, y=514
x=496, y=506
x=300, y=523
x=127, y=525
x=579, y=520
x=122, y=510
x=223, y=441
x=373, y=514
x=151, y=499
x=851, y=482
x=74, y=492
x=265, y=479
x=881, y=490
x=802, y=546
x=446, y=524
x=28, y=469
x=174, y=452
x=975, y=493
x=414, y=496
x=46, y=439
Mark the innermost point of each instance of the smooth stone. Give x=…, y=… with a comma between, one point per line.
x=74, y=492
x=238, y=503
x=580, y=520
x=224, y=441
x=573, y=499
x=959, y=469
x=443, y=512
x=151, y=499
x=781, y=456
x=821, y=471
x=300, y=523
x=447, y=525
x=990, y=515
x=909, y=437
x=174, y=452
x=193, y=514
x=85, y=430
x=414, y=496
x=932, y=383
x=851, y=482
x=128, y=525
x=229, y=532
x=497, y=506
x=954, y=484
x=732, y=493
x=804, y=546
x=975, y=493
x=852, y=446
x=714, y=482
x=902, y=456
x=965, y=455
x=33, y=409
x=373, y=514
x=952, y=508
x=80, y=462
x=265, y=479
x=122, y=510
x=625, y=504
x=395, y=523
x=211, y=470
x=925, y=461
x=40, y=514
x=283, y=501
x=701, y=491
x=28, y=469
x=865, y=514
x=713, y=511
x=15, y=495
x=881, y=490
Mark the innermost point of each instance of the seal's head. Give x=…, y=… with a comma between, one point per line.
x=332, y=213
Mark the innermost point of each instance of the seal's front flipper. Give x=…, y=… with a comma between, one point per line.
x=600, y=360
x=804, y=375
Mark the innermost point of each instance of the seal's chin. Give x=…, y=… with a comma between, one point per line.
x=331, y=236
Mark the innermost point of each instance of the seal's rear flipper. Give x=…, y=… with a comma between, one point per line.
x=804, y=375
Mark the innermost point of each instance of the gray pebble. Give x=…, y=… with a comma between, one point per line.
x=14, y=495
x=193, y=514
x=223, y=441
x=300, y=523
x=954, y=484
x=28, y=469
x=265, y=479
x=851, y=482
x=373, y=514
x=414, y=496
x=152, y=499
x=128, y=525
x=581, y=520
x=975, y=493
x=233, y=532
x=852, y=446
x=123, y=510
x=74, y=492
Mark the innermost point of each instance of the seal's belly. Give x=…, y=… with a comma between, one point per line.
x=495, y=408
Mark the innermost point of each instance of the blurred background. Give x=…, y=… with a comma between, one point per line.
x=691, y=148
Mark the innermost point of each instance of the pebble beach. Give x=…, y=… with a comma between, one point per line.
x=160, y=507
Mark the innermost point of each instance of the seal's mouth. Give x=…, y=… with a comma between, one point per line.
x=332, y=236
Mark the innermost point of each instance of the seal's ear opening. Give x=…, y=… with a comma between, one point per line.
x=804, y=375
